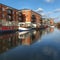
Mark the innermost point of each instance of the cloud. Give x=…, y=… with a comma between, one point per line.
x=47, y=14
x=57, y=10
x=49, y=1
x=43, y=15
x=54, y=11
x=39, y=10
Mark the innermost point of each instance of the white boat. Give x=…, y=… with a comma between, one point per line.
x=24, y=32
x=23, y=29
x=21, y=35
x=52, y=26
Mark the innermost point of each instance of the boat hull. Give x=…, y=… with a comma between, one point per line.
x=7, y=31
x=52, y=26
x=24, y=29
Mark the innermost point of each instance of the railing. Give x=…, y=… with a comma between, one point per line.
x=25, y=24
x=8, y=23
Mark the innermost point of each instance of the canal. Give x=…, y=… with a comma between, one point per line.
x=43, y=44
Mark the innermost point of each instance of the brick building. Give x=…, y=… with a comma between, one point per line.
x=8, y=17
x=30, y=16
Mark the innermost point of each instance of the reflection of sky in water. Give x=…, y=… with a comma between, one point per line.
x=38, y=51
x=47, y=47
x=54, y=36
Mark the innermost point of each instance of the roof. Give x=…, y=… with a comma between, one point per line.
x=8, y=6
x=30, y=10
x=20, y=9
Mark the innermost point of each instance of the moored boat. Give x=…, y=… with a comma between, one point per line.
x=23, y=29
x=7, y=29
x=52, y=26
x=22, y=35
x=24, y=32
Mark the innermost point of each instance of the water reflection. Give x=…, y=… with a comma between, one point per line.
x=29, y=37
x=31, y=45
x=8, y=41
x=58, y=28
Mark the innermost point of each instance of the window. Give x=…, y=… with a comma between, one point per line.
x=16, y=12
x=9, y=18
x=20, y=19
x=33, y=18
x=3, y=15
x=9, y=11
x=3, y=9
x=13, y=12
x=0, y=9
x=20, y=14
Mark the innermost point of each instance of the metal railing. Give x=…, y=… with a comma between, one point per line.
x=9, y=23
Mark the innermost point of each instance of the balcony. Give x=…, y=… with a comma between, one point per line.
x=8, y=23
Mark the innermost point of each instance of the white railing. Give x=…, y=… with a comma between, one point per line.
x=8, y=23
x=26, y=24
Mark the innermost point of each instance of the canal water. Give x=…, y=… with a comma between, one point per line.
x=43, y=44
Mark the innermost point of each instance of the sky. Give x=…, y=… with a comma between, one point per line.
x=49, y=8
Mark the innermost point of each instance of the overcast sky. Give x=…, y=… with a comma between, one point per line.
x=50, y=8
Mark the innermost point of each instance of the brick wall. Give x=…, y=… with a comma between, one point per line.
x=28, y=16
x=8, y=14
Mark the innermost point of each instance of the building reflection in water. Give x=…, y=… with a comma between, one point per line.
x=30, y=37
x=51, y=29
x=58, y=28
x=8, y=41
